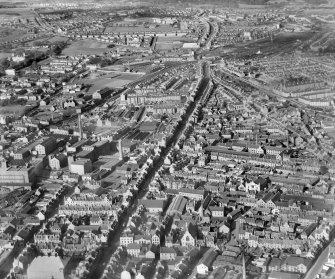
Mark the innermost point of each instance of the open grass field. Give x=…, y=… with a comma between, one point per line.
x=168, y=46
x=57, y=39
x=4, y=55
x=7, y=34
x=111, y=80
x=168, y=43
x=13, y=109
x=86, y=47
x=175, y=39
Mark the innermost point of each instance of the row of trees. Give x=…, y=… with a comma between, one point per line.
x=13, y=101
x=102, y=61
x=330, y=48
x=32, y=57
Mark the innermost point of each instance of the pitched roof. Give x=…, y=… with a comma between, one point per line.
x=283, y=275
x=152, y=203
x=209, y=257
x=134, y=246
x=192, y=229
x=140, y=236
x=295, y=261
x=168, y=250
x=275, y=262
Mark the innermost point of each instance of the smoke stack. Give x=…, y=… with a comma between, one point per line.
x=244, y=274
x=120, y=150
x=80, y=127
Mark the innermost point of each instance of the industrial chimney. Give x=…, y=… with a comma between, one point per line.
x=80, y=127
x=120, y=150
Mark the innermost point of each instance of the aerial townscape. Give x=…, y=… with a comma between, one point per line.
x=154, y=139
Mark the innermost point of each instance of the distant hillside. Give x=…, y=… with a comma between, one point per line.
x=12, y=3
x=317, y=2
x=253, y=2
x=229, y=3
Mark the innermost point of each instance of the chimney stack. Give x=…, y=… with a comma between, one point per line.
x=244, y=275
x=80, y=127
x=120, y=150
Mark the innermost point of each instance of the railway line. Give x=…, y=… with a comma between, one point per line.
x=267, y=90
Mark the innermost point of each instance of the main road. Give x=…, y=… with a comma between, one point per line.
x=102, y=260
x=320, y=259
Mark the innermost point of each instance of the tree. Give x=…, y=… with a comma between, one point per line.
x=323, y=170
x=12, y=65
x=34, y=65
x=4, y=63
x=56, y=50
x=5, y=103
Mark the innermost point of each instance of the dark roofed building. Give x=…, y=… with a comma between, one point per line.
x=153, y=206
x=206, y=261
